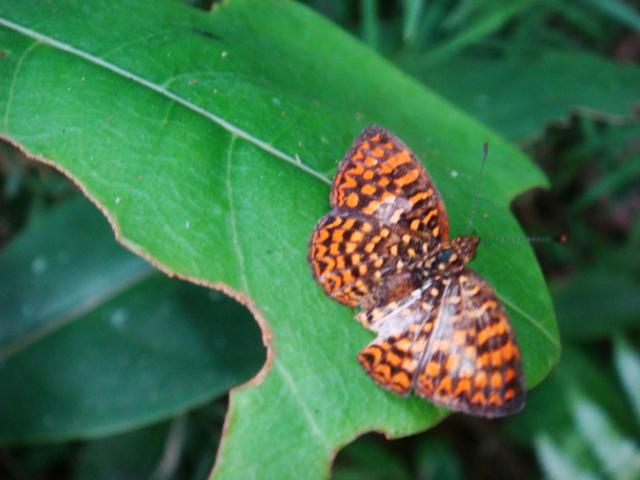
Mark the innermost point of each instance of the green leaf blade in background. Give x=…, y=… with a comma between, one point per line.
x=208, y=140
x=628, y=366
x=520, y=95
x=42, y=272
x=96, y=341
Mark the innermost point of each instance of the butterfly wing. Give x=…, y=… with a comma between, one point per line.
x=386, y=213
x=346, y=256
x=472, y=362
x=380, y=177
x=404, y=328
x=353, y=257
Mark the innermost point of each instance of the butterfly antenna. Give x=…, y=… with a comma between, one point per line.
x=558, y=239
x=485, y=150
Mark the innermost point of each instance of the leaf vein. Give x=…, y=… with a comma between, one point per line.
x=555, y=342
x=13, y=83
x=307, y=413
x=232, y=219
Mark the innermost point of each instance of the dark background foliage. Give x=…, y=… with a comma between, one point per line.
x=560, y=79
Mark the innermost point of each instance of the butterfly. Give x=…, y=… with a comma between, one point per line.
x=385, y=248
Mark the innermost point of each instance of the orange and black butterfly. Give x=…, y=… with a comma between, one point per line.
x=385, y=247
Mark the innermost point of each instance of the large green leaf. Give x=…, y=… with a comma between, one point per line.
x=208, y=140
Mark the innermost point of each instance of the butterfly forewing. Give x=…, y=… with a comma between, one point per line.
x=386, y=209
x=381, y=177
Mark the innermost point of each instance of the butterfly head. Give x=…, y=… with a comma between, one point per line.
x=465, y=246
x=450, y=257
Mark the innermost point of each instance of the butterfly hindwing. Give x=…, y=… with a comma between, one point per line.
x=349, y=255
x=404, y=327
x=473, y=362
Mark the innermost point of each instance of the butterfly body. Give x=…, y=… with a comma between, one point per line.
x=385, y=247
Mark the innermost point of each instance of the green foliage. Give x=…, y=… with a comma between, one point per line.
x=208, y=138
x=106, y=342
x=592, y=441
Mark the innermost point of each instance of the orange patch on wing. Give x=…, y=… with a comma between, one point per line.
x=495, y=399
x=418, y=197
x=480, y=380
x=382, y=372
x=464, y=386
x=400, y=382
x=374, y=352
x=433, y=369
x=352, y=200
x=393, y=359
x=368, y=189
x=407, y=179
x=357, y=236
x=445, y=385
x=496, y=380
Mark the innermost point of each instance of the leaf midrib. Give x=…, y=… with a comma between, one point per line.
x=168, y=94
